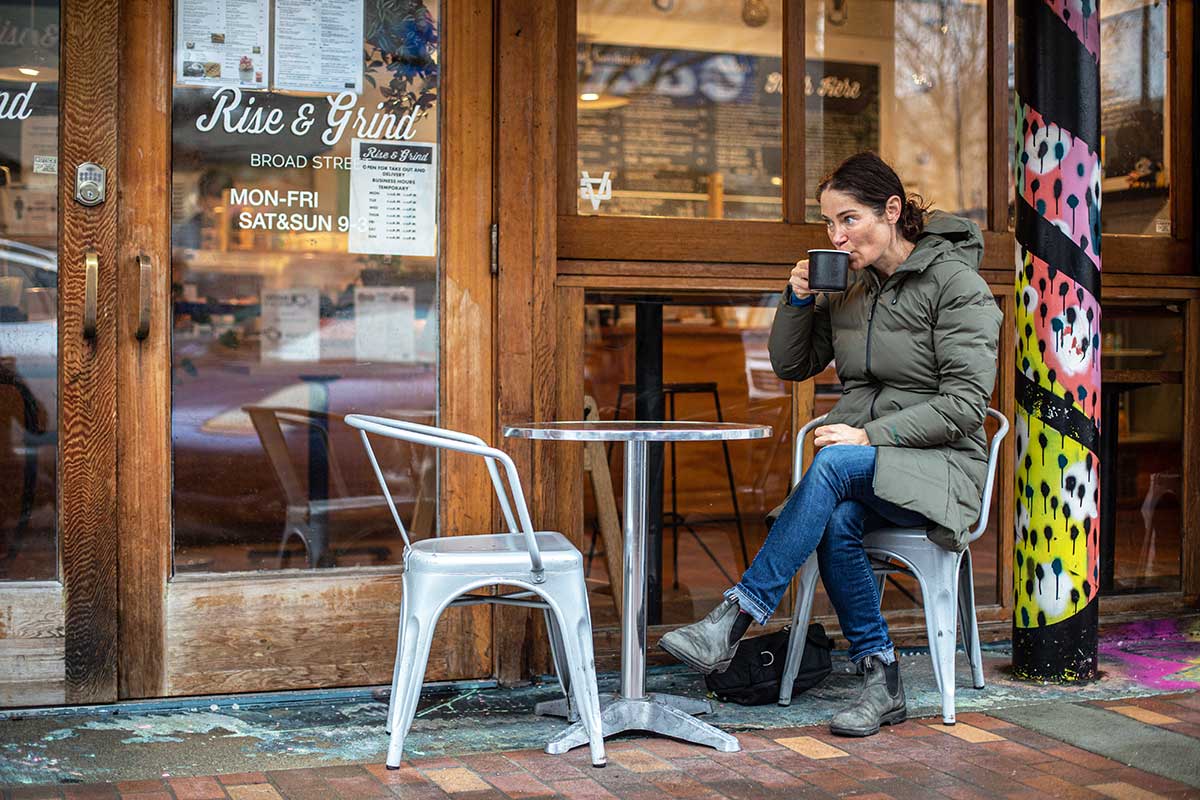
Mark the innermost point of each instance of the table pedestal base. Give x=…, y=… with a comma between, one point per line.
x=668, y=715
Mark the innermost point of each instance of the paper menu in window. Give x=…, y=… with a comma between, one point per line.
x=384, y=323
x=393, y=198
x=222, y=43
x=319, y=45
x=291, y=325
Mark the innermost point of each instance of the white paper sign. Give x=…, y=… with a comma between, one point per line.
x=291, y=322
x=383, y=323
x=28, y=210
x=222, y=43
x=393, y=197
x=39, y=149
x=319, y=45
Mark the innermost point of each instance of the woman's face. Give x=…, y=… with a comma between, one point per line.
x=855, y=228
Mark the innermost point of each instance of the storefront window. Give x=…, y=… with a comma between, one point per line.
x=714, y=358
x=1134, y=134
x=679, y=109
x=1142, y=354
x=304, y=277
x=29, y=66
x=908, y=80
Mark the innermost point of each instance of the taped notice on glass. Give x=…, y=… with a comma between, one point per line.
x=384, y=323
x=291, y=325
x=393, y=198
x=319, y=45
x=222, y=43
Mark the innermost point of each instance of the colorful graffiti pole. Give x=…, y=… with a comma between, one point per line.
x=1056, y=140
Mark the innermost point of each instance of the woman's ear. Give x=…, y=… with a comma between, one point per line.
x=893, y=209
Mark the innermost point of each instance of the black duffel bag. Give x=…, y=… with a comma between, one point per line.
x=756, y=671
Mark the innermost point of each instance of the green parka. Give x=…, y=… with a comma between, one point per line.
x=916, y=355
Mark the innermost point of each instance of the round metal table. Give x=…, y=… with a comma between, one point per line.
x=632, y=708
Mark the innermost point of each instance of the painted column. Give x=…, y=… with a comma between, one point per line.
x=1056, y=139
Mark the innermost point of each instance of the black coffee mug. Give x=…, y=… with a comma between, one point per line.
x=828, y=270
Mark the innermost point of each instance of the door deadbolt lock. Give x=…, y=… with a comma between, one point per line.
x=90, y=180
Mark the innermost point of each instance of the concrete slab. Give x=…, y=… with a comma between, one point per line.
x=1133, y=743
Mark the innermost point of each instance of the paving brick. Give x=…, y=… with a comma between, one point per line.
x=162, y=795
x=861, y=769
x=456, y=780
x=1057, y=787
x=300, y=784
x=924, y=775
x=89, y=791
x=547, y=768
x=639, y=760
x=1017, y=752
x=235, y=778
x=32, y=792
x=968, y=733
x=756, y=742
x=1082, y=757
x=253, y=791
x=1147, y=780
x=357, y=786
x=811, y=747
x=406, y=775
x=1119, y=790
x=1143, y=715
x=1074, y=773
x=196, y=788
x=984, y=721
x=130, y=787
x=520, y=785
x=490, y=764
x=582, y=789
x=834, y=782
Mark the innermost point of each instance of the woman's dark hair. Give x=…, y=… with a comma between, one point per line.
x=868, y=179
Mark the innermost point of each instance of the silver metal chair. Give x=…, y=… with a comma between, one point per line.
x=442, y=572
x=944, y=576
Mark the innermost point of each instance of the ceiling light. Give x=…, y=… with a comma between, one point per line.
x=589, y=97
x=30, y=71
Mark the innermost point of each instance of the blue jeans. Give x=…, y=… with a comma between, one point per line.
x=830, y=510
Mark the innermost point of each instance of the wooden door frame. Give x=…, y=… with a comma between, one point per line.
x=270, y=626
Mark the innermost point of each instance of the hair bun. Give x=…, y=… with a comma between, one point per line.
x=912, y=217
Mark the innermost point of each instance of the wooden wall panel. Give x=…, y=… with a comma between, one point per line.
x=287, y=631
x=1190, y=513
x=32, y=645
x=88, y=368
x=793, y=112
x=999, y=114
x=144, y=378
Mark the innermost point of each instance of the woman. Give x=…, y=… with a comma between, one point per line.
x=914, y=337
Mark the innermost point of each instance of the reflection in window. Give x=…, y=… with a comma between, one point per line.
x=908, y=80
x=714, y=354
x=1143, y=359
x=680, y=109
x=29, y=294
x=304, y=288
x=1133, y=87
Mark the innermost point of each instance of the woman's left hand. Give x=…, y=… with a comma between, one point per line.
x=840, y=434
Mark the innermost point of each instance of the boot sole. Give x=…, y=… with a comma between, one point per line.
x=891, y=718
x=703, y=669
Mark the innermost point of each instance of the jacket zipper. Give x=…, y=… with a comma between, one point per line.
x=870, y=325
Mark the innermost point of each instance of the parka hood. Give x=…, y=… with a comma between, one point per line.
x=946, y=235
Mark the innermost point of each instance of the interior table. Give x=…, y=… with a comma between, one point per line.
x=632, y=708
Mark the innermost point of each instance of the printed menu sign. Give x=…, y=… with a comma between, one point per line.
x=222, y=43
x=318, y=45
x=393, y=198
x=291, y=325
x=384, y=328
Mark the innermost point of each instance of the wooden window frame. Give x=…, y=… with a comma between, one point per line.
x=644, y=245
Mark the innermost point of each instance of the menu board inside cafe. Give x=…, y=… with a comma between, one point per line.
x=668, y=121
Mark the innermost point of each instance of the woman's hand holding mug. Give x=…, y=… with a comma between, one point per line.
x=798, y=280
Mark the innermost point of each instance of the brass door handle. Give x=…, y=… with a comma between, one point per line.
x=145, y=276
x=91, y=279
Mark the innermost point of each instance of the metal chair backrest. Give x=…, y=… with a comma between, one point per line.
x=443, y=438
x=988, y=486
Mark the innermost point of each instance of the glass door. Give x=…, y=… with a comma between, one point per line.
x=58, y=154
x=292, y=238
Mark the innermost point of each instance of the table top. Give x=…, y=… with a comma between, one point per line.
x=635, y=431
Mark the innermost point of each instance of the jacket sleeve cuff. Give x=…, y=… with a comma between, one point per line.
x=877, y=433
x=799, y=302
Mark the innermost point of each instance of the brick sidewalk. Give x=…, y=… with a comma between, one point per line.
x=981, y=757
